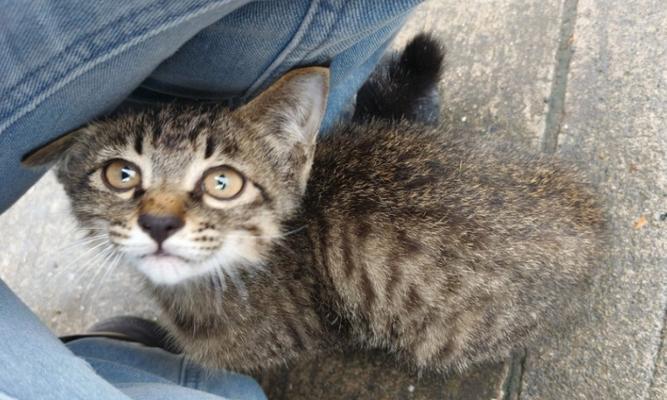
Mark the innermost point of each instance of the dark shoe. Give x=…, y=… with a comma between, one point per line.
x=131, y=329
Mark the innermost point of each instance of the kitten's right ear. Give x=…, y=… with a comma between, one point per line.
x=294, y=105
x=51, y=152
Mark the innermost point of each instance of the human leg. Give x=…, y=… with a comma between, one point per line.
x=144, y=372
x=34, y=364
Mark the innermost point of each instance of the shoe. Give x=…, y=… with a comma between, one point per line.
x=131, y=329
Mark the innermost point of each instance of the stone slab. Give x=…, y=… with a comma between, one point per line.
x=613, y=123
x=499, y=62
x=375, y=376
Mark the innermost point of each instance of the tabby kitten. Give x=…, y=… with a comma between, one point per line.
x=441, y=249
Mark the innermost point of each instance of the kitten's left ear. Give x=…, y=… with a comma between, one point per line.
x=51, y=152
x=295, y=103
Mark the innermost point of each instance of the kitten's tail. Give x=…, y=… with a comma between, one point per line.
x=405, y=85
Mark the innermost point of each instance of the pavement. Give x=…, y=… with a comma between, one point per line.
x=585, y=79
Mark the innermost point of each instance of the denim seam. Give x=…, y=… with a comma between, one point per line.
x=363, y=34
x=326, y=35
x=90, y=360
x=296, y=40
x=182, y=374
x=72, y=74
x=62, y=69
x=132, y=14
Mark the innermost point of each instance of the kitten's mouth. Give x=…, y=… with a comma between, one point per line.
x=176, y=263
x=162, y=255
x=165, y=268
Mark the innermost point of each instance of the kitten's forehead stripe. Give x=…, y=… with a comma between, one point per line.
x=139, y=144
x=210, y=147
x=230, y=147
x=156, y=132
x=197, y=126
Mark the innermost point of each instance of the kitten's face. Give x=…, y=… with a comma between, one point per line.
x=177, y=197
x=183, y=193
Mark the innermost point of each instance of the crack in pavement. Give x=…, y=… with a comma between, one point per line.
x=511, y=388
x=661, y=345
x=556, y=100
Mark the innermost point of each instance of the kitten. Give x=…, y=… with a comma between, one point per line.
x=442, y=249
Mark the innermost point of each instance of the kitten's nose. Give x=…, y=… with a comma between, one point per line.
x=160, y=227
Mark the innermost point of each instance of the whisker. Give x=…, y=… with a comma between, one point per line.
x=280, y=236
x=101, y=270
x=134, y=246
x=82, y=271
x=87, y=252
x=82, y=242
x=87, y=232
x=90, y=228
x=113, y=264
x=219, y=290
x=70, y=247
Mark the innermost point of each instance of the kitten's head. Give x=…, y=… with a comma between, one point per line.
x=185, y=192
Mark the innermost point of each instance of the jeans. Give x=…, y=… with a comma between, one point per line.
x=65, y=62
x=35, y=365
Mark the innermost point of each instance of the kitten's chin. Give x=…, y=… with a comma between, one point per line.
x=170, y=269
x=166, y=269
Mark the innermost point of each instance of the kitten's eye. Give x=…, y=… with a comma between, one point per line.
x=121, y=175
x=223, y=183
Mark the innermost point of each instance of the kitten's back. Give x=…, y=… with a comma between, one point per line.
x=449, y=250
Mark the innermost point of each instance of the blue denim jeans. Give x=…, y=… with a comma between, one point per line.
x=65, y=62
x=35, y=365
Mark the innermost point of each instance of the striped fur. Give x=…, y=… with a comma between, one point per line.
x=442, y=249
